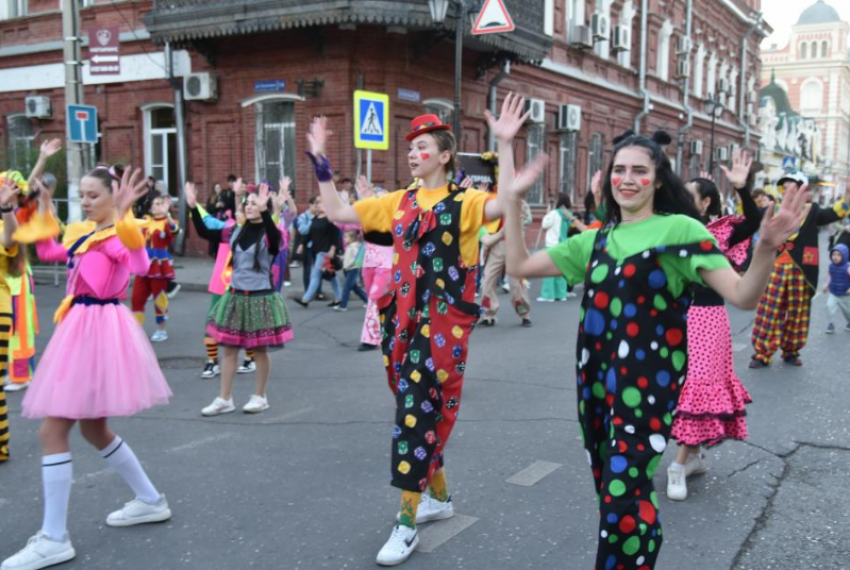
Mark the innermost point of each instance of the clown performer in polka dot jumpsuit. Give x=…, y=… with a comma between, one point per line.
x=429, y=311
x=712, y=401
x=632, y=349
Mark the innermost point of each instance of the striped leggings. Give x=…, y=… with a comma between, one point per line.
x=782, y=316
x=5, y=329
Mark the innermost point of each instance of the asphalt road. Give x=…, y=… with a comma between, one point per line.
x=305, y=484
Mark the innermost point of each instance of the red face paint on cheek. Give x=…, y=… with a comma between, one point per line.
x=616, y=180
x=645, y=181
x=424, y=155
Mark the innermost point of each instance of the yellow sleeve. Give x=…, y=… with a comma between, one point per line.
x=130, y=233
x=471, y=220
x=40, y=227
x=376, y=214
x=11, y=252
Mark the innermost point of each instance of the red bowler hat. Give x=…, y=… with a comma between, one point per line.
x=425, y=124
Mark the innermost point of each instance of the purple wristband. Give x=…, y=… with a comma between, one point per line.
x=322, y=166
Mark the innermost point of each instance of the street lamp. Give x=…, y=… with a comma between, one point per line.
x=716, y=101
x=439, y=8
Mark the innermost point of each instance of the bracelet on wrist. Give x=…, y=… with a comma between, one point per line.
x=322, y=167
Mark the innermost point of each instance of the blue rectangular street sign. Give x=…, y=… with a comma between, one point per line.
x=82, y=123
x=270, y=86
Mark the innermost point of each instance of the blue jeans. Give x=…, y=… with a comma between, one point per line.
x=352, y=276
x=316, y=279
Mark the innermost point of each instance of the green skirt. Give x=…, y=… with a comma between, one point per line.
x=255, y=320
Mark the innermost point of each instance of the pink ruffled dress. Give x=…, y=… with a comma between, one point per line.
x=99, y=362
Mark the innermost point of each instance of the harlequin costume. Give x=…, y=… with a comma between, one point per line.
x=782, y=316
x=631, y=359
x=99, y=363
x=6, y=257
x=160, y=233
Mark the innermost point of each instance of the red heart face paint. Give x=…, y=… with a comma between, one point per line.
x=616, y=180
x=645, y=181
x=424, y=155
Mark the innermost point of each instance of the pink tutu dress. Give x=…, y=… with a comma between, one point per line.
x=99, y=362
x=712, y=402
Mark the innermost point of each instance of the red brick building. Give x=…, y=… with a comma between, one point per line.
x=274, y=64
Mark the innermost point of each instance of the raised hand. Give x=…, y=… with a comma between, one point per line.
x=8, y=192
x=777, y=227
x=510, y=120
x=741, y=163
x=318, y=136
x=51, y=147
x=239, y=188
x=284, y=185
x=526, y=178
x=596, y=186
x=131, y=188
x=191, y=193
x=263, y=197
x=362, y=188
x=466, y=183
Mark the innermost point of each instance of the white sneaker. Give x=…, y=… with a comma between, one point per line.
x=248, y=366
x=430, y=509
x=159, y=336
x=15, y=387
x=287, y=283
x=403, y=541
x=677, y=486
x=256, y=404
x=545, y=300
x=211, y=369
x=173, y=293
x=506, y=287
x=139, y=512
x=41, y=551
x=219, y=406
x=696, y=464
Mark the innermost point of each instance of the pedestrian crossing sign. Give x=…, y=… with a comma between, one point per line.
x=371, y=120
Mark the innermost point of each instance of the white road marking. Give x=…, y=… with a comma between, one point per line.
x=436, y=534
x=200, y=442
x=532, y=474
x=288, y=415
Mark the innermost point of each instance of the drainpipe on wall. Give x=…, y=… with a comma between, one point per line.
x=493, y=100
x=686, y=95
x=644, y=31
x=742, y=95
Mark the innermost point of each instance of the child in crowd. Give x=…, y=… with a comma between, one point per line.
x=352, y=261
x=838, y=286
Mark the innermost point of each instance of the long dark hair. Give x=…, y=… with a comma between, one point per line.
x=671, y=196
x=708, y=189
x=242, y=205
x=564, y=201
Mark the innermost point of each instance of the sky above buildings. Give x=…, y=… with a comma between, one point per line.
x=782, y=14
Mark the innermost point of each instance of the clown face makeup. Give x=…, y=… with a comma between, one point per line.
x=633, y=182
x=425, y=157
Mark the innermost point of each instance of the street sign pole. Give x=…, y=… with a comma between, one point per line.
x=73, y=96
x=369, y=165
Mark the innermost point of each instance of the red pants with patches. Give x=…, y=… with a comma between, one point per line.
x=782, y=316
x=145, y=288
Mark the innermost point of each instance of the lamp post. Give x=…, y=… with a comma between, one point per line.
x=439, y=8
x=715, y=104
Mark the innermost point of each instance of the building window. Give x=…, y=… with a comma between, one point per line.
x=699, y=69
x=695, y=166
x=627, y=14
x=536, y=145
x=443, y=108
x=803, y=50
x=814, y=50
x=602, y=48
x=161, y=145
x=275, y=142
x=575, y=16
x=663, y=64
x=711, y=79
x=824, y=49
x=13, y=9
x=549, y=17
x=595, y=156
x=567, y=168
x=21, y=139
x=811, y=98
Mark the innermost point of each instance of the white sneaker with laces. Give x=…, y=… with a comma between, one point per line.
x=696, y=464
x=139, y=512
x=15, y=387
x=403, y=541
x=256, y=404
x=41, y=551
x=219, y=406
x=677, y=486
x=159, y=336
x=211, y=369
x=248, y=366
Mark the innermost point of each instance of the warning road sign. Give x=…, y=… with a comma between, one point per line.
x=493, y=19
x=371, y=120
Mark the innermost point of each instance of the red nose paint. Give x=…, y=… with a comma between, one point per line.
x=645, y=181
x=616, y=181
x=424, y=155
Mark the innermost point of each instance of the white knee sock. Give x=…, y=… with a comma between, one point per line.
x=57, y=473
x=119, y=455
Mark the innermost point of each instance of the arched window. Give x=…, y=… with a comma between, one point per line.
x=824, y=49
x=627, y=14
x=711, y=79
x=699, y=67
x=803, y=50
x=814, y=50
x=663, y=64
x=811, y=96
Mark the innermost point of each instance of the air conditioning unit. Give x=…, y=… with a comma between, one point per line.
x=200, y=87
x=581, y=37
x=569, y=118
x=538, y=110
x=38, y=107
x=683, y=45
x=696, y=148
x=622, y=38
x=722, y=153
x=683, y=69
x=600, y=25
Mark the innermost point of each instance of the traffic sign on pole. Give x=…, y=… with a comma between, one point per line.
x=493, y=19
x=82, y=124
x=104, y=45
x=371, y=120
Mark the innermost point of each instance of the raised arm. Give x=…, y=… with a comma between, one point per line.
x=8, y=195
x=745, y=292
x=742, y=179
x=837, y=212
x=504, y=129
x=48, y=149
x=338, y=211
x=272, y=233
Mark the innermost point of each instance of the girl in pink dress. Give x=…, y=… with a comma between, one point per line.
x=99, y=362
x=377, y=266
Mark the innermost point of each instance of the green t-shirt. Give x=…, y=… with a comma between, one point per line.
x=626, y=240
